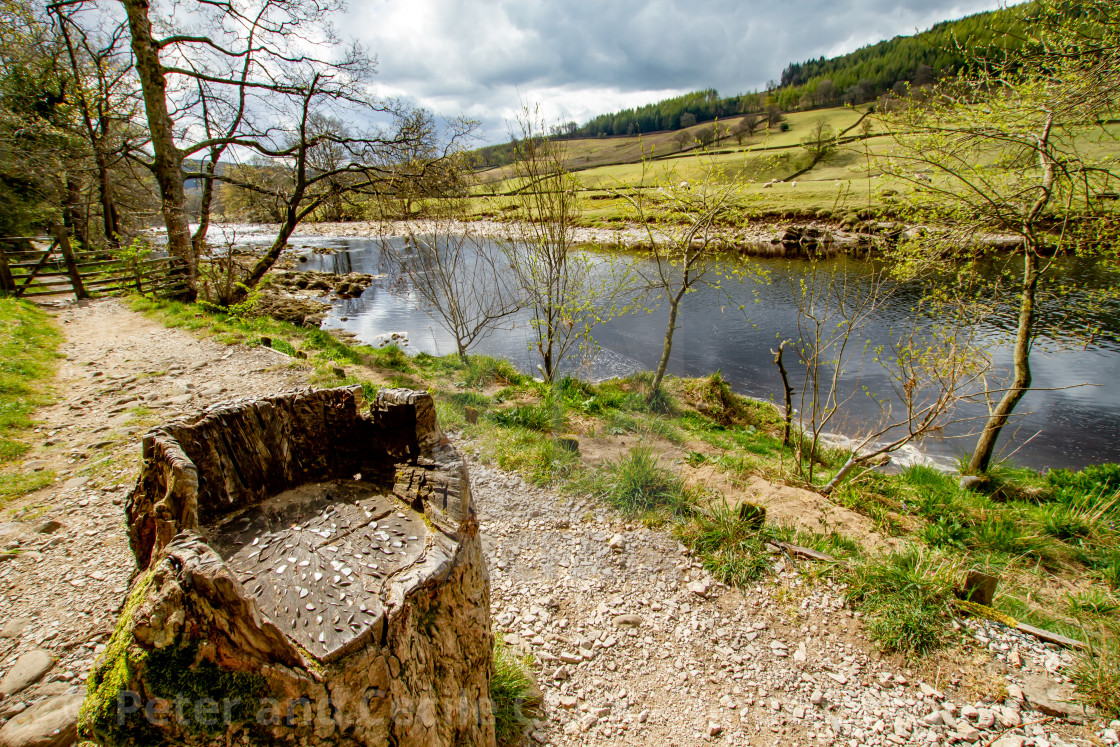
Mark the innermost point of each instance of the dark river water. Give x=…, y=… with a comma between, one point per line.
x=1071, y=421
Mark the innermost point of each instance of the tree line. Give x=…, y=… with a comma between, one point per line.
x=894, y=65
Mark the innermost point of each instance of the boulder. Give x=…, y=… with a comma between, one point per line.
x=51, y=723
x=27, y=670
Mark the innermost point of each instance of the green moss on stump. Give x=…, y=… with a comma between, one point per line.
x=112, y=674
x=173, y=674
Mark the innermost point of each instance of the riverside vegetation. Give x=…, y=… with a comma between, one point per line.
x=1051, y=537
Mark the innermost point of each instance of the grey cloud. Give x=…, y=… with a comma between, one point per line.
x=481, y=57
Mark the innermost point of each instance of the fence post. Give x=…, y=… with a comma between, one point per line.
x=7, y=283
x=71, y=265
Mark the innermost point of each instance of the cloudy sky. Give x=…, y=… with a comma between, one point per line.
x=579, y=58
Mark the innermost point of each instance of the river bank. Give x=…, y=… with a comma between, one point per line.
x=636, y=629
x=766, y=237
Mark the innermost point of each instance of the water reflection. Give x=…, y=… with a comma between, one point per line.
x=1058, y=426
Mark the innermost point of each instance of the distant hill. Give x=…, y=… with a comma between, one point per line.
x=869, y=72
x=856, y=78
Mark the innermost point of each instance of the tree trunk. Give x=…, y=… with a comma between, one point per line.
x=110, y=218
x=198, y=240
x=265, y=263
x=851, y=464
x=788, y=392
x=72, y=216
x=168, y=161
x=666, y=351
x=1021, y=371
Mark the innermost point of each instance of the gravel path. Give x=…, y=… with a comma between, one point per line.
x=634, y=643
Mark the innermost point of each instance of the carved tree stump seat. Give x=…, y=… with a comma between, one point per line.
x=318, y=564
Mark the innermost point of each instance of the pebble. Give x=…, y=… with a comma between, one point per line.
x=28, y=669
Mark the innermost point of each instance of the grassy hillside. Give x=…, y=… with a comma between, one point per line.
x=844, y=182
x=862, y=76
x=605, y=164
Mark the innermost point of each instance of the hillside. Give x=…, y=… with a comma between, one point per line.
x=841, y=185
x=886, y=68
x=894, y=64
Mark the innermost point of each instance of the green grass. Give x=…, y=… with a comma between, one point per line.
x=906, y=598
x=29, y=344
x=637, y=484
x=1096, y=674
x=847, y=186
x=485, y=370
x=542, y=417
x=514, y=697
x=1094, y=602
x=730, y=549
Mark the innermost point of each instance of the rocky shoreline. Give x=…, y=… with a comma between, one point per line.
x=765, y=238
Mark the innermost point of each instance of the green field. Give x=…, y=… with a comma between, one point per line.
x=846, y=181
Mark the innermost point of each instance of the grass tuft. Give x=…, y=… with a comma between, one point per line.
x=1096, y=675
x=514, y=696
x=485, y=370
x=728, y=547
x=906, y=598
x=636, y=484
x=539, y=417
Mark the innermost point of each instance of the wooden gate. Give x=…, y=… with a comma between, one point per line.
x=45, y=266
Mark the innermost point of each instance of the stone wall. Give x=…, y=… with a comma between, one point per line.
x=413, y=669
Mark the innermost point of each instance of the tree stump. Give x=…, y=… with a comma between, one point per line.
x=311, y=574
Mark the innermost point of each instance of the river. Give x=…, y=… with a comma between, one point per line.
x=1071, y=420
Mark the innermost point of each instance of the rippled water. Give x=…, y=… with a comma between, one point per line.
x=1074, y=419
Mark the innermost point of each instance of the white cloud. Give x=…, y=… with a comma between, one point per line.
x=579, y=58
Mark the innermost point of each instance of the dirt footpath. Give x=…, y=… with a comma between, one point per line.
x=634, y=643
x=121, y=374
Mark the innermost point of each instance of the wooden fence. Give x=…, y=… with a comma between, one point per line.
x=45, y=266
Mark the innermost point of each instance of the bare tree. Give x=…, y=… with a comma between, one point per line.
x=683, y=139
x=246, y=78
x=107, y=102
x=568, y=292
x=371, y=163
x=1005, y=154
x=747, y=126
x=930, y=372
x=687, y=226
x=462, y=277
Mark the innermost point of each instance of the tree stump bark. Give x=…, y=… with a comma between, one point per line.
x=311, y=574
